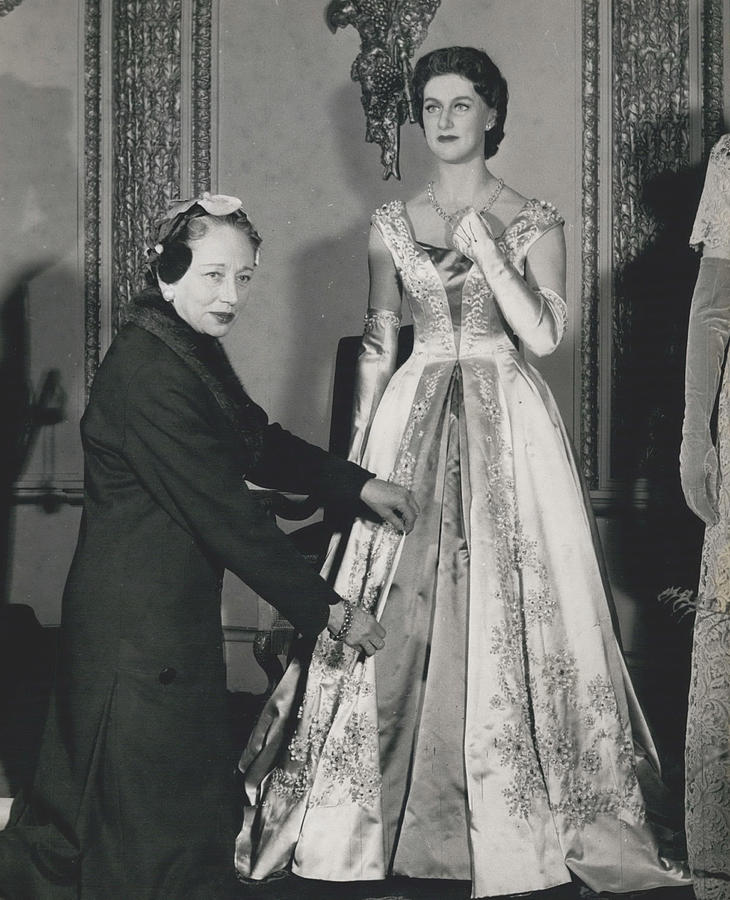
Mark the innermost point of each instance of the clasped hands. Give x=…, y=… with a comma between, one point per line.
x=397, y=506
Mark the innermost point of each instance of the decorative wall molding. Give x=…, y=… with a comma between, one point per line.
x=7, y=6
x=146, y=132
x=202, y=96
x=590, y=276
x=92, y=189
x=712, y=72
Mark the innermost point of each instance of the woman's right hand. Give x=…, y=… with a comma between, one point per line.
x=471, y=236
x=365, y=633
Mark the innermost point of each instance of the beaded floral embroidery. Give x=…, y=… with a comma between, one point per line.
x=383, y=318
x=424, y=288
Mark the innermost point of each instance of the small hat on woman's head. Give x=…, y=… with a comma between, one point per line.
x=179, y=212
x=210, y=204
x=213, y=204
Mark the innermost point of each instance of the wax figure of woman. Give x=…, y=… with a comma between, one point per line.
x=132, y=797
x=705, y=473
x=494, y=738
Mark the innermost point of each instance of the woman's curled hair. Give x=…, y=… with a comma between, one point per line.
x=192, y=225
x=475, y=66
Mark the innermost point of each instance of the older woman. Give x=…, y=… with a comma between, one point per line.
x=132, y=796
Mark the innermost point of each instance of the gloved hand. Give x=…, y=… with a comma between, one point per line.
x=537, y=316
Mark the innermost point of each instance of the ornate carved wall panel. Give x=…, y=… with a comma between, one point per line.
x=643, y=143
x=148, y=112
x=146, y=131
x=650, y=134
x=7, y=6
x=201, y=96
x=92, y=188
x=712, y=70
x=590, y=272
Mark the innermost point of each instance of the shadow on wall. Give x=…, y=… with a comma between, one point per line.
x=27, y=650
x=332, y=271
x=38, y=170
x=662, y=544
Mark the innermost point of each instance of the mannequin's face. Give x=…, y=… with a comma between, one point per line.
x=454, y=118
x=210, y=294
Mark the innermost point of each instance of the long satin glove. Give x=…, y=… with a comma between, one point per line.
x=538, y=317
x=709, y=328
x=375, y=365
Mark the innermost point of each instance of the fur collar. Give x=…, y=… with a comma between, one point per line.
x=205, y=356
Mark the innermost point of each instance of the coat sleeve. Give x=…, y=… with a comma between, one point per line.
x=289, y=463
x=176, y=443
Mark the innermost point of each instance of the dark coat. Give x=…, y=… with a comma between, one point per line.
x=134, y=785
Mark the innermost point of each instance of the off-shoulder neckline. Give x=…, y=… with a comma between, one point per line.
x=401, y=206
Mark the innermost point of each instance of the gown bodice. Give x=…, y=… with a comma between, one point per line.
x=454, y=311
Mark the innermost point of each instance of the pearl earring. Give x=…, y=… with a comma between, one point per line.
x=168, y=294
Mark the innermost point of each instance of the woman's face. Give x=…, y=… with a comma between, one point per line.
x=209, y=295
x=454, y=118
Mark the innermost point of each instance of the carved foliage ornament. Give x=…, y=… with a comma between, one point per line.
x=390, y=33
x=7, y=6
x=147, y=132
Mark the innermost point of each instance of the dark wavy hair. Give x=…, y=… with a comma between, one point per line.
x=188, y=227
x=475, y=66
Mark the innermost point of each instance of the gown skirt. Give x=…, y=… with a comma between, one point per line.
x=496, y=738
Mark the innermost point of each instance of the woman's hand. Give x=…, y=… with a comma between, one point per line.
x=391, y=502
x=365, y=632
x=699, y=474
x=470, y=235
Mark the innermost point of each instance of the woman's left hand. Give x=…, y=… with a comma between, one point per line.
x=470, y=235
x=391, y=502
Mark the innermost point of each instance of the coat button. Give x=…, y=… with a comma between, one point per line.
x=167, y=675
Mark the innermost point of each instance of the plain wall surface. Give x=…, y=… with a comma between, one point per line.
x=41, y=284
x=39, y=192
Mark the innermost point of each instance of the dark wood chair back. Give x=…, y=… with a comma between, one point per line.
x=312, y=540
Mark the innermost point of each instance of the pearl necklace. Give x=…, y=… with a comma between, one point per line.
x=450, y=218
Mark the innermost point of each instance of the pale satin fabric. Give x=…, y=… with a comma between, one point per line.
x=497, y=737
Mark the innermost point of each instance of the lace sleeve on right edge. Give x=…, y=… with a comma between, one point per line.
x=712, y=223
